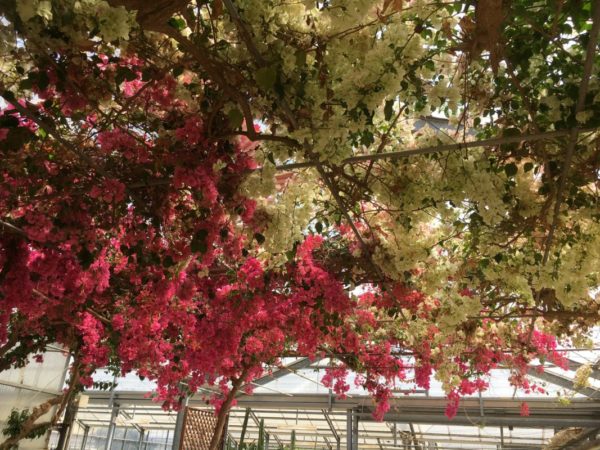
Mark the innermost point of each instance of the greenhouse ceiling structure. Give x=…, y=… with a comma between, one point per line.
x=296, y=409
x=299, y=224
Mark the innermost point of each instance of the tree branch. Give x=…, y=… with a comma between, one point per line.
x=574, y=133
x=445, y=148
x=225, y=407
x=30, y=424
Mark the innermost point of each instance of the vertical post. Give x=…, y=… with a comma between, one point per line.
x=86, y=431
x=349, y=433
x=333, y=430
x=113, y=415
x=481, y=410
x=111, y=426
x=261, y=435
x=355, y=431
x=67, y=425
x=141, y=439
x=395, y=431
x=414, y=436
x=179, y=424
x=293, y=443
x=244, y=426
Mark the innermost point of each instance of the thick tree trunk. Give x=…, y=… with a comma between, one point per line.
x=222, y=417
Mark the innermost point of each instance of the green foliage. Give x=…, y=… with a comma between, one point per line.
x=199, y=241
x=15, y=422
x=266, y=77
x=235, y=117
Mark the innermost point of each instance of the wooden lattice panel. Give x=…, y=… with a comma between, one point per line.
x=198, y=429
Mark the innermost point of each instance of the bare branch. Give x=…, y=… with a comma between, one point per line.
x=574, y=133
x=251, y=46
x=445, y=148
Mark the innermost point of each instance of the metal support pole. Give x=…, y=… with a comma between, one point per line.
x=66, y=427
x=141, y=438
x=333, y=430
x=355, y=431
x=111, y=427
x=481, y=409
x=86, y=431
x=258, y=422
x=349, y=433
x=244, y=427
x=395, y=431
x=113, y=416
x=179, y=424
x=414, y=436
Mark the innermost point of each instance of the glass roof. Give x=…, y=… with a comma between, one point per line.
x=294, y=399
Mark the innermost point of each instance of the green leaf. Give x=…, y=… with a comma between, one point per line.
x=147, y=74
x=388, y=110
x=168, y=261
x=86, y=258
x=544, y=189
x=265, y=77
x=235, y=117
x=199, y=244
x=271, y=158
x=27, y=83
x=8, y=121
x=16, y=138
x=528, y=166
x=42, y=80
x=319, y=227
x=367, y=138
x=259, y=238
x=177, y=23
x=511, y=131
x=8, y=95
x=511, y=169
x=224, y=233
x=124, y=73
x=300, y=58
x=177, y=70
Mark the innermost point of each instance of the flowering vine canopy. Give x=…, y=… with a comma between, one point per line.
x=192, y=190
